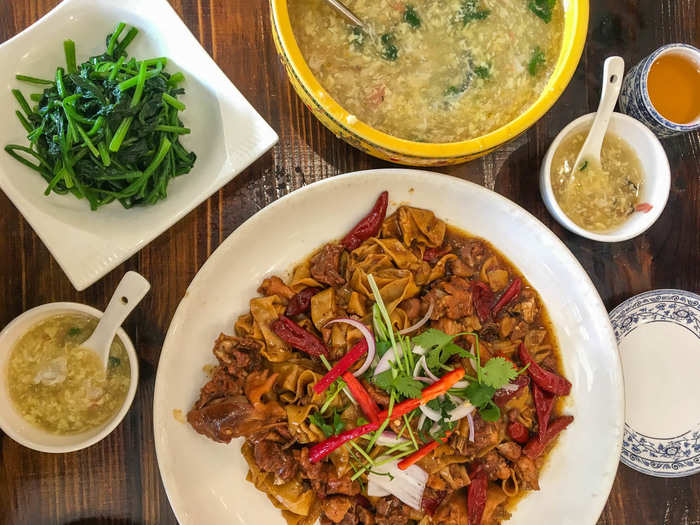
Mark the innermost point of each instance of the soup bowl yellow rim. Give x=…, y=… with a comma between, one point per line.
x=385, y=146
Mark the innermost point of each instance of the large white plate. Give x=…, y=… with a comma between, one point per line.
x=227, y=133
x=205, y=480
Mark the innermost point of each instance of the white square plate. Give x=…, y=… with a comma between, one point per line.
x=227, y=133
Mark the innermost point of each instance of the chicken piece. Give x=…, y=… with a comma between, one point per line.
x=506, y=325
x=509, y=450
x=526, y=471
x=460, y=268
x=325, y=265
x=472, y=253
x=495, y=466
x=275, y=286
x=534, y=338
x=498, y=279
x=520, y=330
x=336, y=507
x=458, y=302
x=270, y=457
x=412, y=308
x=527, y=308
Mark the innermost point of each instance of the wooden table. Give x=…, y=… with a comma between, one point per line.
x=117, y=481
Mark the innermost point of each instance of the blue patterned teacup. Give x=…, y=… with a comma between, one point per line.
x=634, y=96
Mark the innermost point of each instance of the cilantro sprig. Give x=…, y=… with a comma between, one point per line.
x=331, y=426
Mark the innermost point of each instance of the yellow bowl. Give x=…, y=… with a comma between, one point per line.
x=385, y=146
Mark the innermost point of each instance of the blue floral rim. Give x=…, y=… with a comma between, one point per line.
x=678, y=456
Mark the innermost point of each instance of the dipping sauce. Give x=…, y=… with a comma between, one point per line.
x=59, y=386
x=597, y=200
x=674, y=87
x=432, y=70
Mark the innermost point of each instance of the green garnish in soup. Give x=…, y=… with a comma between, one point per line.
x=411, y=17
x=536, y=61
x=471, y=10
x=59, y=386
x=542, y=8
x=430, y=70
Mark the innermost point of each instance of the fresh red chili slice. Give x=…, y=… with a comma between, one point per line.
x=508, y=296
x=369, y=226
x=367, y=404
x=518, y=432
x=341, y=366
x=295, y=335
x=433, y=254
x=442, y=385
x=544, y=402
x=546, y=380
x=482, y=298
x=422, y=452
x=476, y=495
x=322, y=449
x=505, y=394
x=301, y=302
x=400, y=410
x=535, y=447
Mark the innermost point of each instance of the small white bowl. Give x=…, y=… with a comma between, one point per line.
x=656, y=175
x=21, y=430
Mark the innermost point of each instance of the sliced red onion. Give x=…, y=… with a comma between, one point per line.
x=431, y=414
x=371, y=347
x=420, y=323
x=470, y=418
x=407, y=485
x=424, y=379
x=462, y=411
x=421, y=420
x=383, y=365
x=389, y=439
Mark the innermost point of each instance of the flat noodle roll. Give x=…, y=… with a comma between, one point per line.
x=323, y=308
x=401, y=256
x=302, y=278
x=440, y=269
x=245, y=327
x=510, y=485
x=421, y=226
x=301, y=430
x=264, y=311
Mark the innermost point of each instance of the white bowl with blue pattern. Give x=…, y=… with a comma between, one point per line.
x=634, y=95
x=658, y=335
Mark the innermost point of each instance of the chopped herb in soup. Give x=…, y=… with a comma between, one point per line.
x=59, y=386
x=432, y=70
x=597, y=199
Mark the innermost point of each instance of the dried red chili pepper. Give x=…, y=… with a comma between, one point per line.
x=476, y=495
x=301, y=302
x=482, y=298
x=544, y=402
x=518, y=432
x=433, y=254
x=367, y=404
x=369, y=226
x=545, y=379
x=429, y=504
x=295, y=335
x=322, y=449
x=341, y=366
x=511, y=293
x=505, y=394
x=535, y=447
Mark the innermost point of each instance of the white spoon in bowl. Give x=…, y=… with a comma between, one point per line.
x=589, y=156
x=130, y=290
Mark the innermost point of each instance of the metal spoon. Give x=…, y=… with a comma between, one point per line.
x=589, y=156
x=128, y=294
x=341, y=8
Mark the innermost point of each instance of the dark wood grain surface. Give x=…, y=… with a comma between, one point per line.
x=117, y=481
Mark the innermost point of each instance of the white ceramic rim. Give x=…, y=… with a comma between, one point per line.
x=6, y=345
x=561, y=217
x=607, y=477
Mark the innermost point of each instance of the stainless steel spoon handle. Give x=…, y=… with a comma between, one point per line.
x=347, y=13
